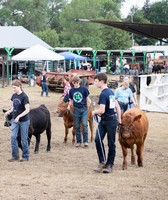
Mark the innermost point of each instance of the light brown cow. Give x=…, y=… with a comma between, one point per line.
x=67, y=115
x=133, y=130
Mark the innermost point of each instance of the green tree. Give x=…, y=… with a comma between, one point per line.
x=34, y=15
x=137, y=15
x=157, y=12
x=77, y=34
x=30, y=13
x=89, y=34
x=50, y=36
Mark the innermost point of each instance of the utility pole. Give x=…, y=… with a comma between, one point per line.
x=132, y=20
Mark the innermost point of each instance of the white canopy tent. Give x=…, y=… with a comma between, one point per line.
x=37, y=53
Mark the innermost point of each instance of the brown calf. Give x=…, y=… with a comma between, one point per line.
x=133, y=130
x=69, y=122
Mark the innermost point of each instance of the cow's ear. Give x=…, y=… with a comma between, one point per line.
x=137, y=118
x=4, y=111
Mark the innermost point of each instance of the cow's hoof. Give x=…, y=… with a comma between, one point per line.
x=140, y=165
x=124, y=168
x=48, y=149
x=36, y=152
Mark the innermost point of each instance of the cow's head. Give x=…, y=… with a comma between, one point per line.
x=8, y=119
x=62, y=106
x=127, y=125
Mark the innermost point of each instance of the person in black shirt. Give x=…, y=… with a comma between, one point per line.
x=108, y=124
x=20, y=122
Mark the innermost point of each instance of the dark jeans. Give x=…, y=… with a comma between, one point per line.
x=136, y=82
x=108, y=126
x=123, y=106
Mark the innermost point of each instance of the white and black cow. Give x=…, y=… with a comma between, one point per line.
x=39, y=122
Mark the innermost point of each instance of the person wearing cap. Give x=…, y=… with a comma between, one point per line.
x=122, y=94
x=79, y=98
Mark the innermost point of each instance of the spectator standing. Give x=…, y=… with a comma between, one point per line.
x=166, y=67
x=107, y=124
x=131, y=86
x=126, y=68
x=20, y=122
x=135, y=78
x=44, y=84
x=150, y=66
x=122, y=94
x=67, y=87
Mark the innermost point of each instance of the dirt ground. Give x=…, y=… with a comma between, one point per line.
x=66, y=173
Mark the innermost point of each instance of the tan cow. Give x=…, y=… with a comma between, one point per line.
x=69, y=122
x=133, y=130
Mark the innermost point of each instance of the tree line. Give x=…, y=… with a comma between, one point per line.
x=53, y=21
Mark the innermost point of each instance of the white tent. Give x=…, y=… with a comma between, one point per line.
x=36, y=53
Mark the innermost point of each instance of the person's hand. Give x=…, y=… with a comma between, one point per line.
x=136, y=104
x=93, y=113
x=17, y=119
x=6, y=113
x=68, y=107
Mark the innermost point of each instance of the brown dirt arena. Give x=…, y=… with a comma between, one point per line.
x=66, y=173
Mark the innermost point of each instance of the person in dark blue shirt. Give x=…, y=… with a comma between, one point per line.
x=79, y=98
x=44, y=84
x=108, y=124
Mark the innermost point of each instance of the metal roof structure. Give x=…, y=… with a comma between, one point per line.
x=155, y=31
x=19, y=38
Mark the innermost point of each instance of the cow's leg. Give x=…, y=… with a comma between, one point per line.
x=132, y=155
x=29, y=139
x=73, y=135
x=139, y=151
x=36, y=150
x=48, y=132
x=66, y=134
x=125, y=152
x=91, y=129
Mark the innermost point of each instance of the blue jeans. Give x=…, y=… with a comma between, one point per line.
x=108, y=126
x=44, y=89
x=23, y=127
x=81, y=117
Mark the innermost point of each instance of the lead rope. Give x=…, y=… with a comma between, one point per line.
x=101, y=145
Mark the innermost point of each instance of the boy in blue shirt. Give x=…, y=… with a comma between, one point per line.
x=79, y=98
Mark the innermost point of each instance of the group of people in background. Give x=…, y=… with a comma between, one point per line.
x=152, y=66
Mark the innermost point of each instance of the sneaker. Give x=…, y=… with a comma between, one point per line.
x=107, y=169
x=77, y=144
x=24, y=160
x=86, y=144
x=13, y=160
x=99, y=168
